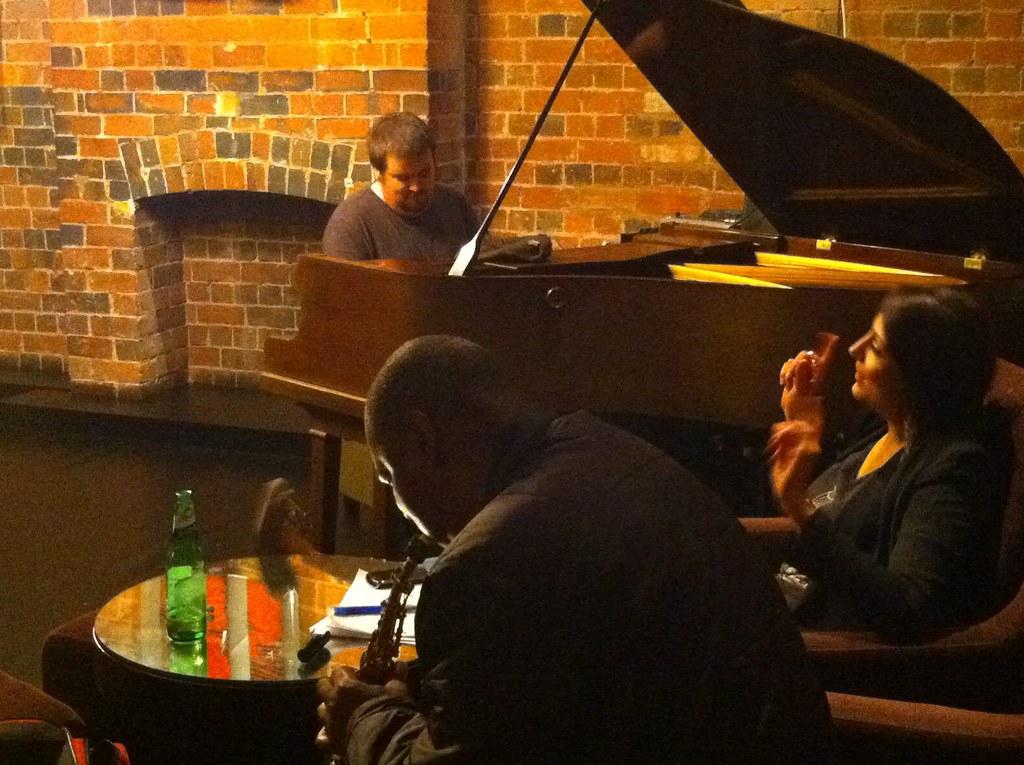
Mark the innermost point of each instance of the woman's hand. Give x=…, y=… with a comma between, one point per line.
x=803, y=379
x=793, y=450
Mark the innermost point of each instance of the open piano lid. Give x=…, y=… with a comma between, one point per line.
x=828, y=138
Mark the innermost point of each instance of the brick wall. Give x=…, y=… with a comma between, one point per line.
x=237, y=272
x=111, y=105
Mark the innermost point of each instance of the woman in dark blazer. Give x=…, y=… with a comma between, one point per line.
x=902, y=533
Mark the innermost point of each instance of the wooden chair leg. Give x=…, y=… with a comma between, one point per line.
x=325, y=484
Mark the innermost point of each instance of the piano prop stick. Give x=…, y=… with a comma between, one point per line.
x=471, y=249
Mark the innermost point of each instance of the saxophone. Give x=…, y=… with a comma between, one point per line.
x=377, y=664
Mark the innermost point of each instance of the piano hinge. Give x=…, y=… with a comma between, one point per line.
x=976, y=260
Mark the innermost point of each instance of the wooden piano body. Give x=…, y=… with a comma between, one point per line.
x=628, y=345
x=615, y=343
x=892, y=173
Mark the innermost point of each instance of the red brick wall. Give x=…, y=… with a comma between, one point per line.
x=108, y=103
x=445, y=60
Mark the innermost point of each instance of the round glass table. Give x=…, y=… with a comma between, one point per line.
x=241, y=694
x=260, y=611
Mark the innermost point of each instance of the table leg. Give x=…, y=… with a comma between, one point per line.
x=325, y=483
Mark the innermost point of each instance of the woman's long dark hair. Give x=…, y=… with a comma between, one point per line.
x=940, y=343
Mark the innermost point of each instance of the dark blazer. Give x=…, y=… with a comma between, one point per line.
x=931, y=563
x=603, y=607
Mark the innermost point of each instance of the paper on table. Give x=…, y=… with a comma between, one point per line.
x=362, y=593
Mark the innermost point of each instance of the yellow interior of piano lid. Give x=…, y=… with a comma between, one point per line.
x=693, y=274
x=769, y=259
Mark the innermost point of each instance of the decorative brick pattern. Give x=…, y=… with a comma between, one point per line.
x=210, y=160
x=110, y=106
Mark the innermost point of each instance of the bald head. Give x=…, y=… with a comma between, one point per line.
x=437, y=417
x=449, y=379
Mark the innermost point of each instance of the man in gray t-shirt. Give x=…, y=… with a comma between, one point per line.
x=403, y=214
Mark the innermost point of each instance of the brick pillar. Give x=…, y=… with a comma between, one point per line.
x=125, y=323
x=446, y=62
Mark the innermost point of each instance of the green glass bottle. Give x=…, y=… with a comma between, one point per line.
x=186, y=574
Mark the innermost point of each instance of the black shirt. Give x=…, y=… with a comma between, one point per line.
x=912, y=546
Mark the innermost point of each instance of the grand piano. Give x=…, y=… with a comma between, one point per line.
x=870, y=175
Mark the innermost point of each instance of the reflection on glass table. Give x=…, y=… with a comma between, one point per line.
x=260, y=613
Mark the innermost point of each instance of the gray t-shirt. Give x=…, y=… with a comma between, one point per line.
x=363, y=227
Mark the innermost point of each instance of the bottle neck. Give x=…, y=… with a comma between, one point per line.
x=184, y=511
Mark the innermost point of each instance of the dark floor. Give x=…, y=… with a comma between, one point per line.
x=87, y=486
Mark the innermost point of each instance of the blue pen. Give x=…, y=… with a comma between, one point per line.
x=356, y=610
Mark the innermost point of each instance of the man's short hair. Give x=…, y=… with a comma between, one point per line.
x=445, y=377
x=400, y=133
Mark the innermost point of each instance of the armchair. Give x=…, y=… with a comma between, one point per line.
x=33, y=726
x=980, y=666
x=876, y=731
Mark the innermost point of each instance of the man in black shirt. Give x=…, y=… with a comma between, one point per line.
x=595, y=603
x=404, y=214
